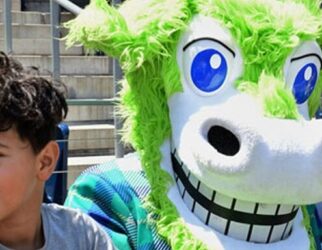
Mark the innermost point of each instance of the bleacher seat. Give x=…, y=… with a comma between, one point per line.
x=56, y=186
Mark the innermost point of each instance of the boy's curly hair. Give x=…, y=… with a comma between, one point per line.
x=31, y=104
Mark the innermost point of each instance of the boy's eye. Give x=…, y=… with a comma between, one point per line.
x=209, y=70
x=305, y=82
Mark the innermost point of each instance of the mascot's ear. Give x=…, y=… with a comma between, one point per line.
x=135, y=32
x=99, y=26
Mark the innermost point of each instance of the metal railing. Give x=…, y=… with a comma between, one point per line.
x=55, y=55
x=118, y=124
x=7, y=21
x=55, y=31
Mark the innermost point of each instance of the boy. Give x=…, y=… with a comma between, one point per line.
x=30, y=109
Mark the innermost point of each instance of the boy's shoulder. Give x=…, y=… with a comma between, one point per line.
x=62, y=227
x=54, y=213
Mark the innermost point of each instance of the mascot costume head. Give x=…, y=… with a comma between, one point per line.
x=219, y=98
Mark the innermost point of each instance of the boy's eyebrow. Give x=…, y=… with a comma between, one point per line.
x=210, y=39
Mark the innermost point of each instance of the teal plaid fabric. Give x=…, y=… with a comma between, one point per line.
x=113, y=198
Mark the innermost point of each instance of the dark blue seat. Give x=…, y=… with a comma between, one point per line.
x=56, y=186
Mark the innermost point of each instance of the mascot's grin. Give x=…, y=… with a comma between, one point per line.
x=229, y=215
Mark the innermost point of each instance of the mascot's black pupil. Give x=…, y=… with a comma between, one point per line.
x=224, y=141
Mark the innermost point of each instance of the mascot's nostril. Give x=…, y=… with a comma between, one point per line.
x=223, y=140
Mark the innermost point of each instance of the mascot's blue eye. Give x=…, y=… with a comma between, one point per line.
x=209, y=70
x=305, y=82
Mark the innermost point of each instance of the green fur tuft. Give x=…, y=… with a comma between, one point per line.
x=99, y=27
x=147, y=122
x=277, y=101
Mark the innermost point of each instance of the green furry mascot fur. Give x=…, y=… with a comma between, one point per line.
x=261, y=44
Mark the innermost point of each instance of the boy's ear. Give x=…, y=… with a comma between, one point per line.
x=47, y=160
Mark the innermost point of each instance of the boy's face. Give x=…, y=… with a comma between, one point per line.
x=19, y=170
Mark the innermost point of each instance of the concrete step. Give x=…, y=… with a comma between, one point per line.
x=76, y=165
x=86, y=113
x=39, y=47
x=23, y=17
x=16, y=4
x=80, y=87
x=20, y=17
x=31, y=31
x=91, y=138
x=70, y=65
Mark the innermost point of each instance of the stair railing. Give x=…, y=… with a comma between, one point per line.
x=7, y=21
x=118, y=124
x=55, y=31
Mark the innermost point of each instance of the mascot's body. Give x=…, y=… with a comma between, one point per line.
x=218, y=98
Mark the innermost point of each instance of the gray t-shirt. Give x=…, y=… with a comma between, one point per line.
x=69, y=229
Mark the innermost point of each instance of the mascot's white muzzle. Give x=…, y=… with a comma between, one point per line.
x=251, y=157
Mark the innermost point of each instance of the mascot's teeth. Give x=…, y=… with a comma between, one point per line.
x=231, y=216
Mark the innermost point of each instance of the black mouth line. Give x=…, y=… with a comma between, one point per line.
x=229, y=211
